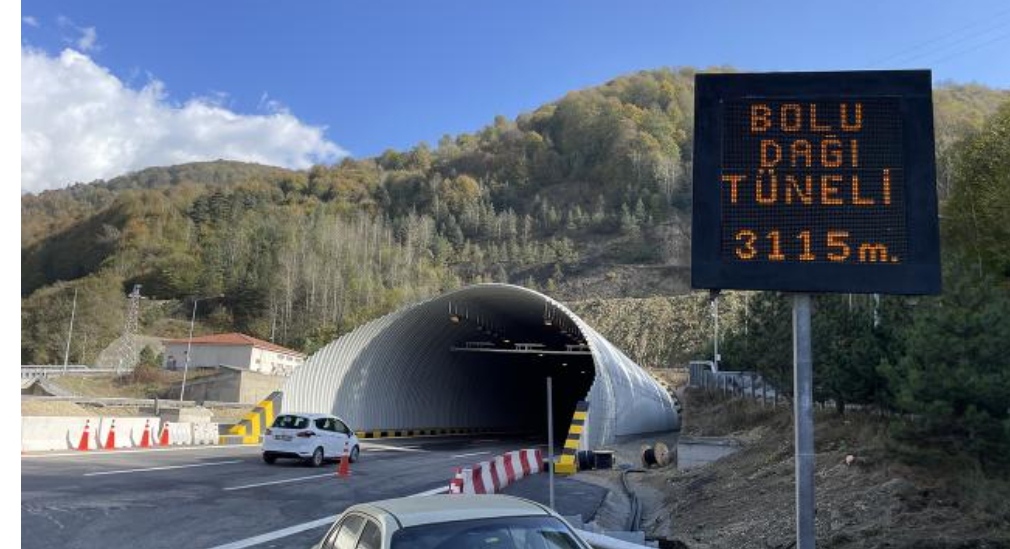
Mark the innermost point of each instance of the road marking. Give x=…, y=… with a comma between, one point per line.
x=164, y=468
x=277, y=534
x=299, y=528
x=433, y=491
x=471, y=454
x=117, y=452
x=373, y=446
x=285, y=481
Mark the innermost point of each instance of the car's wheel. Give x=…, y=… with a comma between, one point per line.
x=354, y=454
x=317, y=457
x=270, y=459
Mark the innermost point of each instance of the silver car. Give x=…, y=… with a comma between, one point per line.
x=485, y=521
x=312, y=438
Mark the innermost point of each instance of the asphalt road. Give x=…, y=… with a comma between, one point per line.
x=221, y=497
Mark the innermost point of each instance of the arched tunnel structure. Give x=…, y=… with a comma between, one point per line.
x=478, y=358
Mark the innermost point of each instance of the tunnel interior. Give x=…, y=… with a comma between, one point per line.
x=477, y=362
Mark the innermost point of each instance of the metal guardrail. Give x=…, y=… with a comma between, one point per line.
x=48, y=371
x=113, y=401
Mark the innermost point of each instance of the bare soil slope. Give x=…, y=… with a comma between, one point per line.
x=747, y=499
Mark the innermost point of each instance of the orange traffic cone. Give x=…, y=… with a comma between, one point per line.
x=110, y=439
x=145, y=439
x=83, y=444
x=163, y=439
x=345, y=463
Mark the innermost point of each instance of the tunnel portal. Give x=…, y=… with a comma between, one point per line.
x=477, y=360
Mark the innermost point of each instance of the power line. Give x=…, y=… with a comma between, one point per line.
x=941, y=49
x=984, y=21
x=1003, y=36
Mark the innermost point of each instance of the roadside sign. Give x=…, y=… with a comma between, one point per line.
x=815, y=182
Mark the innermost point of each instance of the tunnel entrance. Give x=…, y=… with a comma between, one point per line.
x=476, y=360
x=518, y=382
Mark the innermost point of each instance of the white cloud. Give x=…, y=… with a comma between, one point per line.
x=30, y=21
x=79, y=122
x=88, y=40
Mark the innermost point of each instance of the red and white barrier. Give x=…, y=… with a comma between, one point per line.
x=490, y=477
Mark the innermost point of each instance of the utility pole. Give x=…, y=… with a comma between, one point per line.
x=130, y=350
x=70, y=335
x=715, y=333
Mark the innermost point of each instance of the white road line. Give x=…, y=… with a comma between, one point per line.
x=471, y=454
x=433, y=491
x=164, y=468
x=285, y=481
x=277, y=534
x=374, y=446
x=299, y=528
x=95, y=453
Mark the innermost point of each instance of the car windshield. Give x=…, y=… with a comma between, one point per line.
x=291, y=422
x=498, y=533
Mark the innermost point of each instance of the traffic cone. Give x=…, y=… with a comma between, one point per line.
x=163, y=439
x=110, y=439
x=456, y=484
x=345, y=463
x=83, y=444
x=145, y=439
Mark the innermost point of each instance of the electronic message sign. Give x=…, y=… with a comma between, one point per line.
x=815, y=182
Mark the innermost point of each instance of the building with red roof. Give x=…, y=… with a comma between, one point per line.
x=233, y=349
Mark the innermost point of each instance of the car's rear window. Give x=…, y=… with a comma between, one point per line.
x=498, y=533
x=291, y=422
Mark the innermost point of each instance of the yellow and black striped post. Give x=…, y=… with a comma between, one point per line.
x=566, y=466
x=250, y=429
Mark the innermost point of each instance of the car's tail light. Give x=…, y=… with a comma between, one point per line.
x=269, y=432
x=305, y=434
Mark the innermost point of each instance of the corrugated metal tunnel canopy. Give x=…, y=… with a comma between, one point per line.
x=478, y=358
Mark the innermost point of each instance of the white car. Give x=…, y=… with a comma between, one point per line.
x=457, y=521
x=313, y=438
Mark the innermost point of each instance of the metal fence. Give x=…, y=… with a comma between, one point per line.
x=733, y=383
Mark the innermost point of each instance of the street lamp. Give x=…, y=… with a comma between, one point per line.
x=189, y=344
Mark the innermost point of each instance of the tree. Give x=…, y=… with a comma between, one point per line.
x=954, y=373
x=978, y=209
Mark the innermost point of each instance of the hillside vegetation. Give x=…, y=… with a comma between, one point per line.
x=587, y=197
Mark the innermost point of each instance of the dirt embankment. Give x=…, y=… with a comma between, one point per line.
x=868, y=500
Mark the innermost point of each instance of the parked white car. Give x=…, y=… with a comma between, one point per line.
x=313, y=438
x=457, y=521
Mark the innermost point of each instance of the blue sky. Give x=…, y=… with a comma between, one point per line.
x=293, y=83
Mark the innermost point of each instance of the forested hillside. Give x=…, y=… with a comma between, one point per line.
x=585, y=197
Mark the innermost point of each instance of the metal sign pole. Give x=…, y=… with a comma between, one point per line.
x=550, y=441
x=803, y=416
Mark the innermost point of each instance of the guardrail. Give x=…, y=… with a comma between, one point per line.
x=115, y=401
x=48, y=371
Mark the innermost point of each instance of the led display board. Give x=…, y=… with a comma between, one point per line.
x=815, y=182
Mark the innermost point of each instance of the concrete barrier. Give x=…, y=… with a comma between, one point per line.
x=489, y=477
x=205, y=433
x=105, y=425
x=47, y=433
x=40, y=433
x=179, y=433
